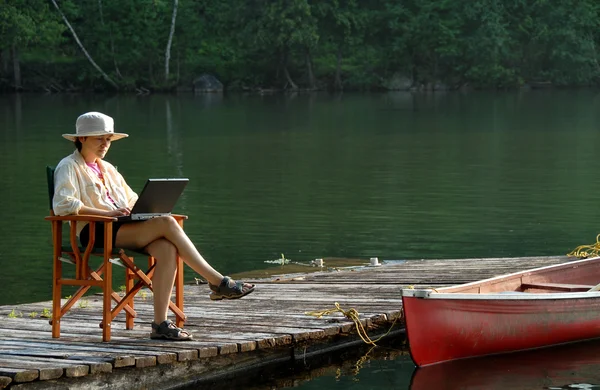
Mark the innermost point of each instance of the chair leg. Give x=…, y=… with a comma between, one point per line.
x=128, y=286
x=56, y=300
x=106, y=298
x=179, y=317
x=56, y=277
x=179, y=320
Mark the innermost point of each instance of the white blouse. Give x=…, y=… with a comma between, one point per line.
x=77, y=185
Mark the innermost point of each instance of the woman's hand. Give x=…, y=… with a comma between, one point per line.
x=106, y=213
x=118, y=212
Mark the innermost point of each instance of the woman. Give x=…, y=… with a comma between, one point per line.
x=86, y=184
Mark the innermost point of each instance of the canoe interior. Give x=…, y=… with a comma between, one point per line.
x=576, y=276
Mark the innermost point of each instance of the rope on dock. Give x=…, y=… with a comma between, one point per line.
x=353, y=315
x=585, y=251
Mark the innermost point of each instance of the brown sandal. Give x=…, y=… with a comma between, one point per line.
x=167, y=330
x=229, y=289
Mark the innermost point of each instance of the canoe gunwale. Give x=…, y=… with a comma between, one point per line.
x=517, y=296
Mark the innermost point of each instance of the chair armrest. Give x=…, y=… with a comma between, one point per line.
x=86, y=218
x=179, y=217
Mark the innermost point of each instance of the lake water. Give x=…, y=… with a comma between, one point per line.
x=575, y=366
x=394, y=175
x=567, y=367
x=397, y=176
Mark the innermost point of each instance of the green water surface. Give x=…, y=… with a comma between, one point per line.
x=395, y=175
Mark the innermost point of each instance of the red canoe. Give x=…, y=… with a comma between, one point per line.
x=525, y=310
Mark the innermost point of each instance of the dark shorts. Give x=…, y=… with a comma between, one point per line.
x=84, y=236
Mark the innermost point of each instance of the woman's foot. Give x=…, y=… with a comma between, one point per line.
x=167, y=330
x=230, y=289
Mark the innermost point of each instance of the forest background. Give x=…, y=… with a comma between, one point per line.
x=165, y=45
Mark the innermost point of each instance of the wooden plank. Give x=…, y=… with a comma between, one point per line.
x=119, y=348
x=44, y=350
x=557, y=287
x=71, y=369
x=95, y=365
x=246, y=340
x=117, y=361
x=295, y=310
x=122, y=357
x=5, y=381
x=45, y=371
x=19, y=375
x=298, y=322
x=145, y=361
x=21, y=351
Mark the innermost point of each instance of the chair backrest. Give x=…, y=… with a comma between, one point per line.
x=50, y=179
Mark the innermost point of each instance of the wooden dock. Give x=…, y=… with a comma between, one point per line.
x=267, y=327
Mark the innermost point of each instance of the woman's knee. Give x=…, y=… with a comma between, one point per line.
x=162, y=249
x=167, y=223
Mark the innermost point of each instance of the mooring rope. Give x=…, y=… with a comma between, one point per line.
x=353, y=315
x=585, y=251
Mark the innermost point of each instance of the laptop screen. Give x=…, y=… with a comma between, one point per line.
x=159, y=195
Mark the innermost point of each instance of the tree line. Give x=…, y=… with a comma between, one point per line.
x=152, y=45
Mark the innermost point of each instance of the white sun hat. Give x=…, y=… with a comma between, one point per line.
x=95, y=124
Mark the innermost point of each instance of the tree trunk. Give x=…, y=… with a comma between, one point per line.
x=151, y=72
x=288, y=78
x=286, y=73
x=18, y=113
x=16, y=68
x=337, y=83
x=595, y=57
x=5, y=59
x=309, y=68
x=106, y=77
x=112, y=41
x=178, y=69
x=168, y=50
x=416, y=76
x=174, y=146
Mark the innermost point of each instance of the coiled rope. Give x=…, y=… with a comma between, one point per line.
x=585, y=251
x=353, y=315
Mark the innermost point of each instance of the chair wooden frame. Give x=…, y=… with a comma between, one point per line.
x=86, y=277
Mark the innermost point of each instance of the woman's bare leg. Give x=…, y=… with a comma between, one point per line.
x=165, y=254
x=140, y=234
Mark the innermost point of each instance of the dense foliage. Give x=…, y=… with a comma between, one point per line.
x=297, y=44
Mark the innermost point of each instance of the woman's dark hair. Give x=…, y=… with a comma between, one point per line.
x=78, y=145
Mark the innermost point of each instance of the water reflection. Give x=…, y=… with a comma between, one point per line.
x=565, y=367
x=573, y=366
x=357, y=368
x=394, y=176
x=173, y=141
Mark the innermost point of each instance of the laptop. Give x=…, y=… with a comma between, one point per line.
x=158, y=197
